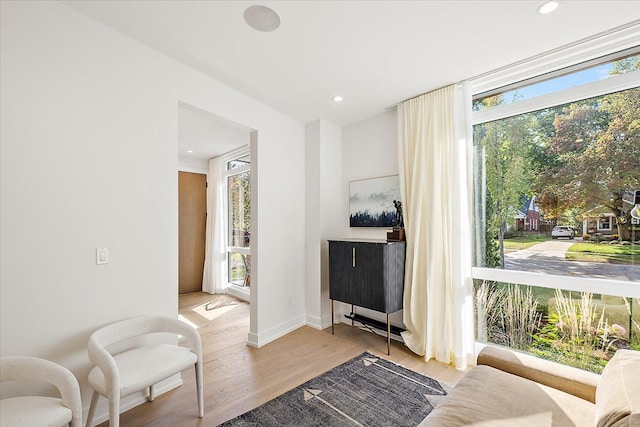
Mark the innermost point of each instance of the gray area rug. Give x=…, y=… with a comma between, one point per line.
x=365, y=391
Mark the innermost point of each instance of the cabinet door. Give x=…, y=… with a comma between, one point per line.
x=339, y=271
x=367, y=278
x=356, y=273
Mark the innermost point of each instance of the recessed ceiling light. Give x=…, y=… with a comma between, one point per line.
x=547, y=7
x=189, y=151
x=262, y=18
x=337, y=98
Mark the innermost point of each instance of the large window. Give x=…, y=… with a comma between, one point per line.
x=559, y=154
x=238, y=180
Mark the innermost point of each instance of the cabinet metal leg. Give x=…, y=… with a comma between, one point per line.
x=388, y=336
x=331, y=317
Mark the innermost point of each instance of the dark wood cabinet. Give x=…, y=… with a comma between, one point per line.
x=367, y=274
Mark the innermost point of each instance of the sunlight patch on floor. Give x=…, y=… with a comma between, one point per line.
x=214, y=309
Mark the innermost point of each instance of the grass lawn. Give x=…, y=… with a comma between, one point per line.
x=614, y=254
x=516, y=243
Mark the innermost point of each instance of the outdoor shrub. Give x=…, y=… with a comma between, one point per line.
x=521, y=317
x=576, y=334
x=586, y=237
x=506, y=316
x=488, y=312
x=634, y=326
x=614, y=237
x=576, y=330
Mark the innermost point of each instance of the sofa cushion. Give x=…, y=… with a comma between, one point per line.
x=489, y=397
x=577, y=382
x=618, y=392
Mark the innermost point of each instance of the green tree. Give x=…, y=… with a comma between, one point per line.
x=507, y=172
x=567, y=182
x=240, y=208
x=596, y=146
x=615, y=156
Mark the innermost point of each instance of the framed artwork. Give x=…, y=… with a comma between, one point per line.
x=374, y=202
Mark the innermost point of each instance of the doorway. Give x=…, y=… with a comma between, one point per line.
x=203, y=137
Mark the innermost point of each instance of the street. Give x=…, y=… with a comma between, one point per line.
x=549, y=257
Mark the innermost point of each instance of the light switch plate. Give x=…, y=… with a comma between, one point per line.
x=102, y=256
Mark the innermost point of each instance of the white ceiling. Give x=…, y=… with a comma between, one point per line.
x=373, y=53
x=207, y=135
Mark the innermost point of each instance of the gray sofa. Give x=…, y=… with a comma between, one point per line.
x=508, y=388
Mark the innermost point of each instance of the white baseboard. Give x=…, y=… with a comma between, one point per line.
x=272, y=334
x=133, y=400
x=313, y=321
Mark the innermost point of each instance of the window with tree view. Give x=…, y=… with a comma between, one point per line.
x=239, y=220
x=552, y=187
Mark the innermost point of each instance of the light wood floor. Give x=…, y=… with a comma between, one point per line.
x=239, y=378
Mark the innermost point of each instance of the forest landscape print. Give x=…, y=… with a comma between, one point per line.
x=371, y=202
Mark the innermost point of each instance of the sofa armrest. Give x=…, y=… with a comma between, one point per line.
x=571, y=380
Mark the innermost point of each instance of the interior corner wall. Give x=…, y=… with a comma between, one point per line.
x=89, y=156
x=313, y=217
x=332, y=202
x=324, y=203
x=369, y=150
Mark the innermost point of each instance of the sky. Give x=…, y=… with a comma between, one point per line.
x=563, y=82
x=559, y=83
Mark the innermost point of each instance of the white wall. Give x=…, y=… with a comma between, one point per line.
x=189, y=164
x=324, y=203
x=369, y=150
x=89, y=159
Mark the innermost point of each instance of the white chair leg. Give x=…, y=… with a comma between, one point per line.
x=152, y=394
x=92, y=408
x=114, y=412
x=200, y=389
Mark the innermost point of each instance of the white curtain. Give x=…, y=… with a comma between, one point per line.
x=435, y=146
x=214, y=274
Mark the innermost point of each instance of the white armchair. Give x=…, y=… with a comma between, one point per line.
x=40, y=410
x=118, y=375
